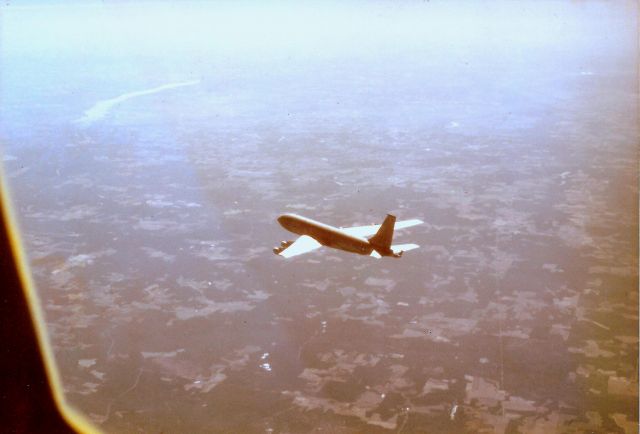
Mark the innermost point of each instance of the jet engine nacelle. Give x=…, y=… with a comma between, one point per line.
x=283, y=245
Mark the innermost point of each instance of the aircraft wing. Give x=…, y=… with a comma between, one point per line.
x=364, y=231
x=304, y=244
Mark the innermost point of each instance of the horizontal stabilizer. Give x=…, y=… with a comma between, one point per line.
x=403, y=247
x=408, y=223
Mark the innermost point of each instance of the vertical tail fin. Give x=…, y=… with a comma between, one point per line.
x=384, y=236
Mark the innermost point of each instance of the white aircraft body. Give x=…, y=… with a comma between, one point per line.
x=314, y=234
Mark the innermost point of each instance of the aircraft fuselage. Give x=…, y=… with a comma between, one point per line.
x=325, y=234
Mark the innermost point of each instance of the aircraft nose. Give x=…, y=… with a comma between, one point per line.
x=285, y=221
x=282, y=220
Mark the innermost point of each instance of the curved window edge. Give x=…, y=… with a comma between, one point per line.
x=33, y=395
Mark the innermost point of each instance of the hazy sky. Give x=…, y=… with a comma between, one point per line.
x=317, y=30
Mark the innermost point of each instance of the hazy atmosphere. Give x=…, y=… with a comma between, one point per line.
x=150, y=147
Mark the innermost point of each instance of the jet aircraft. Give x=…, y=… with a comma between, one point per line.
x=314, y=234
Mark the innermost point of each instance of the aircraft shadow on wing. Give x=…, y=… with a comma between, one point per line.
x=314, y=234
